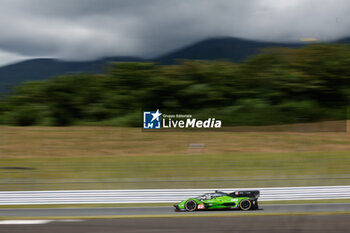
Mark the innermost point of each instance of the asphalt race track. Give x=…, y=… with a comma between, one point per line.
x=247, y=224
x=280, y=208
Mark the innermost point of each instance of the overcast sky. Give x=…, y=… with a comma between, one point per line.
x=90, y=29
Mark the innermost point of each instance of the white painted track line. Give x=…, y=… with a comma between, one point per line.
x=23, y=222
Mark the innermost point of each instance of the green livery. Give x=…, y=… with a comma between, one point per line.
x=243, y=200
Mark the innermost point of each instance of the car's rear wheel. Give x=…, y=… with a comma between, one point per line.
x=190, y=205
x=245, y=204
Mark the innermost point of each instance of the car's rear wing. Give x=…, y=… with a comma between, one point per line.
x=249, y=193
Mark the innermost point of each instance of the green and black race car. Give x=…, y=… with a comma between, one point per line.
x=243, y=200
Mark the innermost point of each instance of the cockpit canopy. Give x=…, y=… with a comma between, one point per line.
x=209, y=196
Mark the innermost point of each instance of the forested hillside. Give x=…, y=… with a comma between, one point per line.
x=278, y=86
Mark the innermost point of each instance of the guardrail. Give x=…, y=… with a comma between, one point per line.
x=163, y=195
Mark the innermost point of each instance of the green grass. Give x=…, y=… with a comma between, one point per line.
x=85, y=141
x=241, y=169
x=86, y=157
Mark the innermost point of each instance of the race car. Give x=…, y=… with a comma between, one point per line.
x=243, y=200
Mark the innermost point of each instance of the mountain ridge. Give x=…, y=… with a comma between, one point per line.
x=220, y=48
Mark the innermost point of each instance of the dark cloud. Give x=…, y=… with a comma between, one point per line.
x=87, y=29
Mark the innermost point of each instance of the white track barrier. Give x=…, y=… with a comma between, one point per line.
x=163, y=195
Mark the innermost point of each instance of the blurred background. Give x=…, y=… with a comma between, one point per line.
x=283, y=111
x=75, y=78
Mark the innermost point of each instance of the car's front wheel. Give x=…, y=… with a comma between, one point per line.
x=190, y=205
x=245, y=204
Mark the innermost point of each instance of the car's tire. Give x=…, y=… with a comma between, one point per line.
x=245, y=204
x=190, y=205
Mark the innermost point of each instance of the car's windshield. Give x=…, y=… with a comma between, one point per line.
x=204, y=197
x=208, y=196
x=217, y=195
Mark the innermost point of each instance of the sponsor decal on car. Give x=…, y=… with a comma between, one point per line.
x=201, y=206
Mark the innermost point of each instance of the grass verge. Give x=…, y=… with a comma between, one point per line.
x=176, y=171
x=87, y=157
